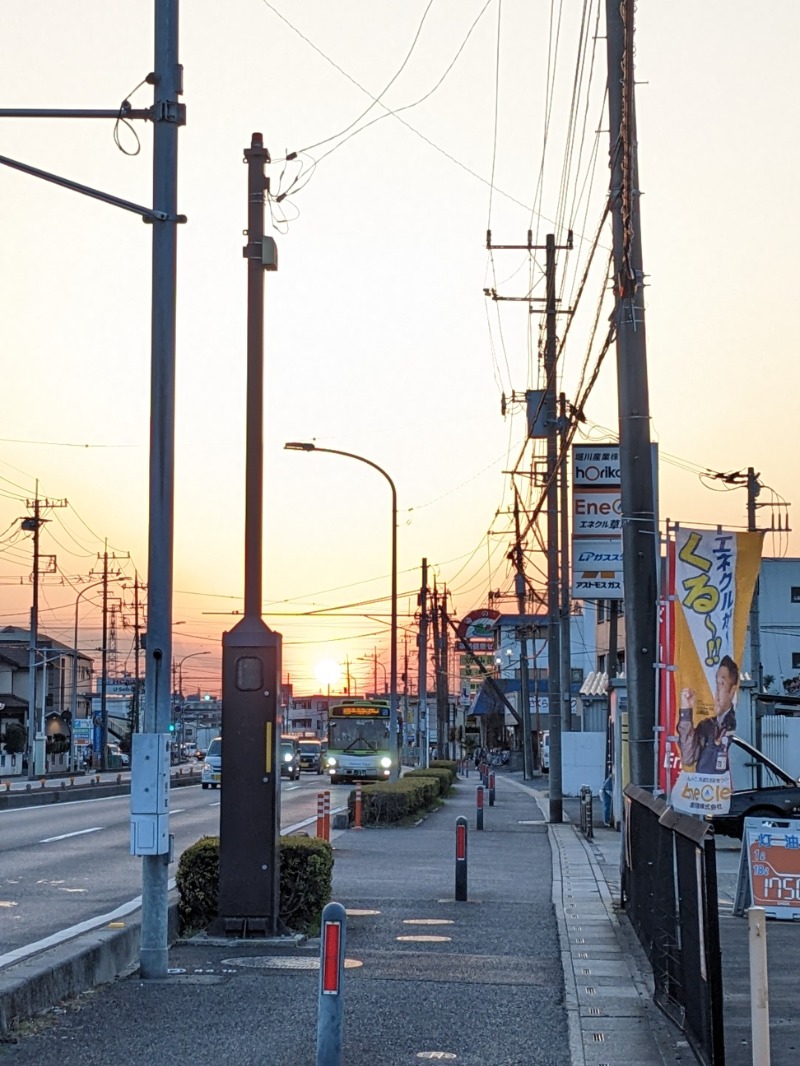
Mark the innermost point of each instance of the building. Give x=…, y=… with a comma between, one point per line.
x=63, y=686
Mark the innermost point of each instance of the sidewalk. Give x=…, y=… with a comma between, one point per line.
x=535, y=970
x=783, y=940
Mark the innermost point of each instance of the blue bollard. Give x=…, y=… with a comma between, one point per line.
x=480, y=807
x=330, y=1012
x=461, y=860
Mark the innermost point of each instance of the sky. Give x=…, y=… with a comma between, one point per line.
x=379, y=339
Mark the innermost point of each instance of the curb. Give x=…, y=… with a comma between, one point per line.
x=91, y=959
x=41, y=797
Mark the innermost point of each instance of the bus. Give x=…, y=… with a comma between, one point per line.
x=359, y=748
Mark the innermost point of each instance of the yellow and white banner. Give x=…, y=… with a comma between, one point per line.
x=715, y=576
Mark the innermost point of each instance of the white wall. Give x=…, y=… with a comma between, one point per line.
x=583, y=761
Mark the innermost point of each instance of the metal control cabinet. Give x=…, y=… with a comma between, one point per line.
x=150, y=793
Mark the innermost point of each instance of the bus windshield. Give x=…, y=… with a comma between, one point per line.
x=352, y=734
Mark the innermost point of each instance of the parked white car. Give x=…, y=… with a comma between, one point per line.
x=211, y=774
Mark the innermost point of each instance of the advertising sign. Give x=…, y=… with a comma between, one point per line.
x=715, y=576
x=597, y=569
x=596, y=522
x=82, y=732
x=771, y=855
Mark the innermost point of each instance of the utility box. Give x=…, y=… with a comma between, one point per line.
x=150, y=760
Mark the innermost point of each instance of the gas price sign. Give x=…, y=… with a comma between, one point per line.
x=773, y=858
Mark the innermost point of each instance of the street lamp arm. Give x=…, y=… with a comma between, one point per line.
x=309, y=446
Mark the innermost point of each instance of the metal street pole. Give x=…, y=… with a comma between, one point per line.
x=167, y=118
x=249, y=873
x=307, y=446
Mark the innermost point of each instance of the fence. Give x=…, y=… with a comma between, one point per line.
x=670, y=895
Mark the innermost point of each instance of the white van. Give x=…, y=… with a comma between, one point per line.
x=211, y=774
x=545, y=751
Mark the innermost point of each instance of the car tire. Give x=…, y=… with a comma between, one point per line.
x=205, y=784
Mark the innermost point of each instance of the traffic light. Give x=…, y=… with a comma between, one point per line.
x=172, y=727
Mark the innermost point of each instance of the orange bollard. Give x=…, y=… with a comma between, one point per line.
x=326, y=815
x=358, y=824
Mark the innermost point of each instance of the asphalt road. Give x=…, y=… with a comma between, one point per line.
x=67, y=863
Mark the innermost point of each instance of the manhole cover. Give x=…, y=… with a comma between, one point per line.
x=419, y=939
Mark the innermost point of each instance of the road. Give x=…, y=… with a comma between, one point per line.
x=68, y=863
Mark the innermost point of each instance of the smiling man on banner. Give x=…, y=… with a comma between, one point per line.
x=715, y=576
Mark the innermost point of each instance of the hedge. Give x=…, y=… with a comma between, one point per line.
x=386, y=804
x=306, y=873
x=445, y=764
x=440, y=774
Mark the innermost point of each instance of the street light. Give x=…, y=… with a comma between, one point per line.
x=179, y=668
x=308, y=446
x=74, y=693
x=375, y=664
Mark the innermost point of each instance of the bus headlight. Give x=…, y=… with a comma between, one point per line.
x=386, y=762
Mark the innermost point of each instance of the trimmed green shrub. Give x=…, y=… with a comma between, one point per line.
x=387, y=804
x=305, y=883
x=445, y=764
x=440, y=774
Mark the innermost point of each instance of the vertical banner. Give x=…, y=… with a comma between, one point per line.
x=715, y=576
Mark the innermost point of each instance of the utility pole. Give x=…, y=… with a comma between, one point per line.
x=422, y=648
x=36, y=739
x=756, y=671
x=33, y=524
x=529, y=759
x=639, y=541
x=446, y=750
x=551, y=499
x=441, y=718
x=553, y=591
x=136, y=645
x=565, y=645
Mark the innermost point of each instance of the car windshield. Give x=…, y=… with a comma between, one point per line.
x=215, y=747
x=287, y=748
x=310, y=747
x=748, y=771
x=350, y=735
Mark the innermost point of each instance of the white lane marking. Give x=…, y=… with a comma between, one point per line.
x=77, y=833
x=75, y=930
x=37, y=807
x=308, y=821
x=291, y=788
x=180, y=810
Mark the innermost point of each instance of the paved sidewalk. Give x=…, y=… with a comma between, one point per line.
x=535, y=970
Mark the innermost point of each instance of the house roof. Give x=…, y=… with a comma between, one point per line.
x=11, y=702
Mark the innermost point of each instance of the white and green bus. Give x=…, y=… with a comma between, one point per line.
x=359, y=746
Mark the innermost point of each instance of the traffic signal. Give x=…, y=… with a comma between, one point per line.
x=172, y=727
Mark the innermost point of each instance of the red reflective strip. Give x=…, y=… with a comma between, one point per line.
x=461, y=842
x=330, y=957
x=480, y=797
